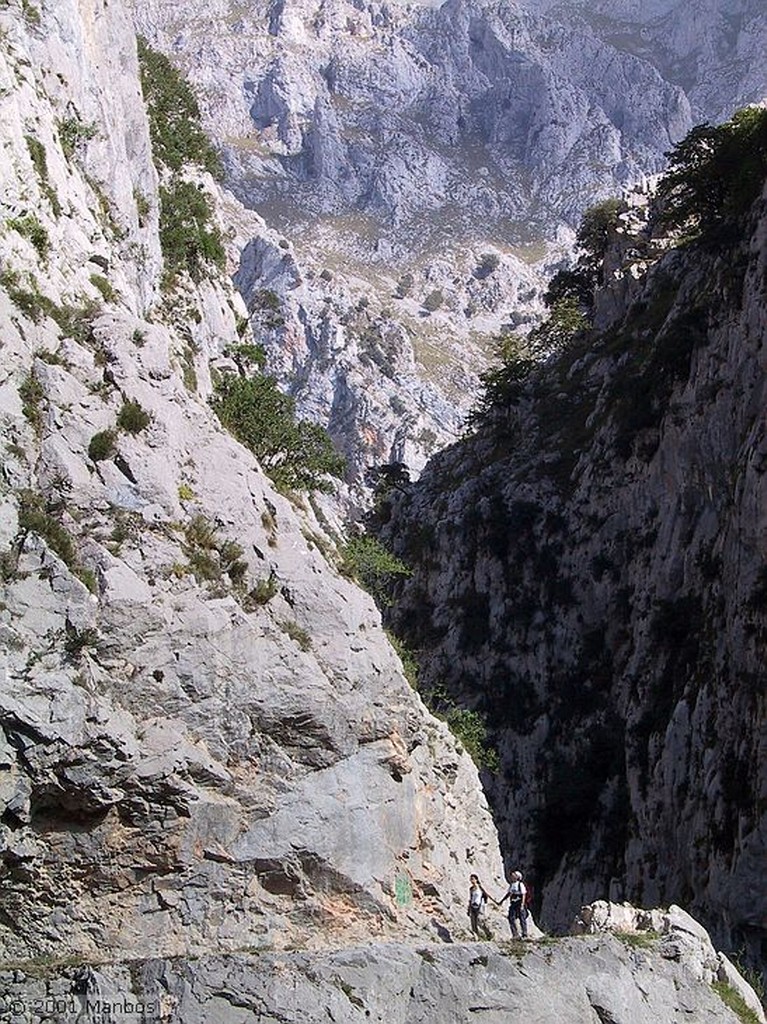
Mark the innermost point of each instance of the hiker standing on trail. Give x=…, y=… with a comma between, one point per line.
x=477, y=903
x=516, y=894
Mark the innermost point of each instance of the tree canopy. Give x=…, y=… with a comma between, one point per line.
x=575, y=285
x=715, y=174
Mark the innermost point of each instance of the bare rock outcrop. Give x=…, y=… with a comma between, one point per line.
x=206, y=740
x=682, y=939
x=690, y=44
x=421, y=119
x=580, y=980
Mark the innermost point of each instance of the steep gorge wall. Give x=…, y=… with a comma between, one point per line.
x=392, y=143
x=206, y=740
x=590, y=573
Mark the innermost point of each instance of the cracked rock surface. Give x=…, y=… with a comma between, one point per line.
x=602, y=978
x=206, y=740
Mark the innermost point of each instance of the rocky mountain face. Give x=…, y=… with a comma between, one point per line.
x=384, y=393
x=209, y=751
x=629, y=978
x=711, y=48
x=206, y=740
x=425, y=165
x=589, y=571
x=436, y=126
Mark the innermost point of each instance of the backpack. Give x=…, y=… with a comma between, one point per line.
x=516, y=898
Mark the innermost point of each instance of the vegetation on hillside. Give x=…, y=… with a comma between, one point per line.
x=735, y=1001
x=178, y=139
x=715, y=175
x=375, y=568
x=190, y=239
x=576, y=285
x=570, y=301
x=467, y=725
x=296, y=454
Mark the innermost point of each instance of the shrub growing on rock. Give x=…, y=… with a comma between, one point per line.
x=596, y=230
x=29, y=227
x=470, y=730
x=104, y=288
x=210, y=556
x=73, y=133
x=563, y=324
x=574, y=286
x=715, y=174
x=76, y=322
x=133, y=418
x=39, y=159
x=433, y=300
x=263, y=591
x=505, y=381
x=298, y=634
x=374, y=567
x=34, y=517
x=296, y=454
x=190, y=240
x=79, y=640
x=32, y=395
x=174, y=115
x=102, y=445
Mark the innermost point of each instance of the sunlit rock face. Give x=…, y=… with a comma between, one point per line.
x=437, y=125
x=711, y=48
x=394, y=147
x=206, y=740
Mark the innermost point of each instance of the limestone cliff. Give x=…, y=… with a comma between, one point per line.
x=628, y=978
x=206, y=741
x=710, y=48
x=590, y=573
x=208, y=748
x=420, y=166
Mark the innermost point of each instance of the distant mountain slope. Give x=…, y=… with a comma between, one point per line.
x=438, y=126
x=713, y=49
x=425, y=165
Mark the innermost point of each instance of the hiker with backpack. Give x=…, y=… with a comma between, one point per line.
x=516, y=894
x=477, y=903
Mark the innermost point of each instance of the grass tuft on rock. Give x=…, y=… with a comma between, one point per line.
x=735, y=1001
